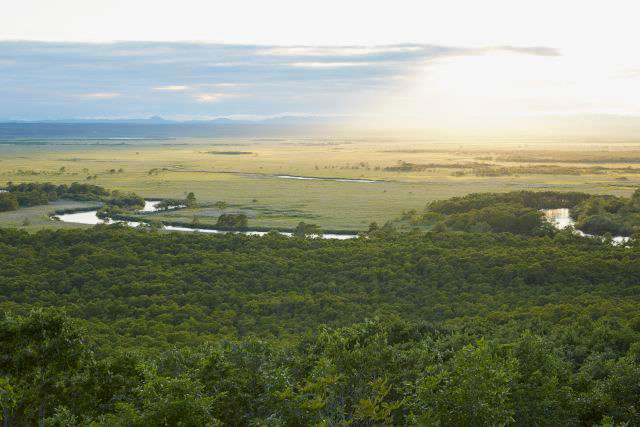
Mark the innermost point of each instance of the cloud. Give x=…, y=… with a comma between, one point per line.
x=213, y=97
x=337, y=51
x=328, y=64
x=225, y=85
x=99, y=95
x=206, y=79
x=172, y=88
x=529, y=50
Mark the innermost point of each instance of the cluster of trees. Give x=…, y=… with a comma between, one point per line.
x=232, y=221
x=305, y=230
x=484, y=169
x=499, y=218
x=515, y=212
x=527, y=199
x=604, y=214
x=8, y=202
x=519, y=212
x=33, y=194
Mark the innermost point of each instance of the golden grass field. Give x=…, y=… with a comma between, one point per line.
x=243, y=173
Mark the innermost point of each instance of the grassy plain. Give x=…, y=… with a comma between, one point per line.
x=244, y=173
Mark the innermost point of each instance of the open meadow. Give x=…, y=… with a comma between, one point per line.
x=336, y=183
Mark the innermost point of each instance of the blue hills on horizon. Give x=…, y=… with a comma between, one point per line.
x=158, y=127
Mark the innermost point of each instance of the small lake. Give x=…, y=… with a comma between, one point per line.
x=91, y=218
x=561, y=219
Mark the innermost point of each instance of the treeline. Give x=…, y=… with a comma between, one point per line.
x=515, y=212
x=528, y=199
x=619, y=216
x=33, y=194
x=484, y=169
x=519, y=212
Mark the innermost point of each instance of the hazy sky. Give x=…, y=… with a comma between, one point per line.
x=449, y=60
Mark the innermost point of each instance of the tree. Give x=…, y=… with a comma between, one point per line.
x=8, y=202
x=190, y=201
x=305, y=230
x=221, y=206
x=232, y=221
x=40, y=354
x=474, y=389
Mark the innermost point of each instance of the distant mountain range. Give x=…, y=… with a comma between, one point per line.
x=158, y=127
x=597, y=127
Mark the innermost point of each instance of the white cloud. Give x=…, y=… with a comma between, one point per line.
x=329, y=64
x=212, y=97
x=337, y=51
x=172, y=88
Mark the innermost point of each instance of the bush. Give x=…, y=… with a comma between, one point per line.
x=8, y=202
x=232, y=221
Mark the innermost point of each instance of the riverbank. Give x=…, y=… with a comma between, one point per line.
x=88, y=216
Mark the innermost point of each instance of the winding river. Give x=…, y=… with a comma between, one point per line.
x=560, y=218
x=91, y=218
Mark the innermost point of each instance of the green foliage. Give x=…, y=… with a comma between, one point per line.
x=516, y=212
x=190, y=200
x=194, y=329
x=220, y=205
x=305, y=230
x=609, y=214
x=232, y=221
x=34, y=194
x=127, y=201
x=8, y=202
x=473, y=388
x=528, y=199
x=39, y=351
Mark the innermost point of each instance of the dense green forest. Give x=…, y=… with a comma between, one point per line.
x=609, y=214
x=519, y=212
x=438, y=328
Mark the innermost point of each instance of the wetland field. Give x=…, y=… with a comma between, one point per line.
x=340, y=184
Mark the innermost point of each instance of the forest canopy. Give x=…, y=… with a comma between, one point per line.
x=490, y=318
x=462, y=329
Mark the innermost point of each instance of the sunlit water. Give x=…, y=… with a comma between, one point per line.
x=313, y=178
x=561, y=219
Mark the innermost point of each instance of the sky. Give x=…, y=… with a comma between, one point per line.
x=457, y=62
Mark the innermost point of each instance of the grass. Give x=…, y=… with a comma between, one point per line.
x=248, y=183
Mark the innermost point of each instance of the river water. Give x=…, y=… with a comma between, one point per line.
x=560, y=218
x=315, y=178
x=91, y=218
